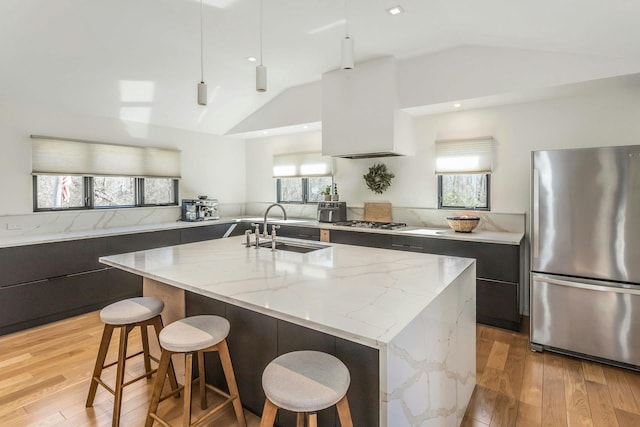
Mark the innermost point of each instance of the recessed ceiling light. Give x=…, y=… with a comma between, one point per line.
x=457, y=105
x=395, y=10
x=252, y=59
x=265, y=132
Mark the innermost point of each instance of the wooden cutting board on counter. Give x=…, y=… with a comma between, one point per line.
x=378, y=212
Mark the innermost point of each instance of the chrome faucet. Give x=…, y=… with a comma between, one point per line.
x=267, y=213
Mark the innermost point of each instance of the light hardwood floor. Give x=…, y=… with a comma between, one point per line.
x=44, y=378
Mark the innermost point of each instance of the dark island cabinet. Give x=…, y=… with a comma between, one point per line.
x=256, y=339
x=372, y=240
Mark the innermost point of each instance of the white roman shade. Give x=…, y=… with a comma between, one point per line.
x=75, y=157
x=302, y=165
x=461, y=156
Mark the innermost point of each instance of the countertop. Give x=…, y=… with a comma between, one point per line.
x=439, y=233
x=361, y=294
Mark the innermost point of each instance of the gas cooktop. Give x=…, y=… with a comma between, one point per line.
x=372, y=224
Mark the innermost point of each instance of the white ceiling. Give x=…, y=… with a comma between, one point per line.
x=140, y=59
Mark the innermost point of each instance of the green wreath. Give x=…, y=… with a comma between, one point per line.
x=379, y=178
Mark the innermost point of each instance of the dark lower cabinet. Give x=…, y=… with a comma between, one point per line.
x=372, y=240
x=307, y=233
x=29, y=263
x=30, y=304
x=407, y=243
x=498, y=272
x=204, y=232
x=256, y=339
x=141, y=241
x=497, y=303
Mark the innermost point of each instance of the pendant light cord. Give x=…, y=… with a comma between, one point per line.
x=260, y=32
x=201, y=46
x=346, y=17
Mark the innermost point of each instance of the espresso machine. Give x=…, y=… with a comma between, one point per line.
x=201, y=209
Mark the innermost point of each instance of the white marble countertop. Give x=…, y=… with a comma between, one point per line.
x=440, y=233
x=360, y=294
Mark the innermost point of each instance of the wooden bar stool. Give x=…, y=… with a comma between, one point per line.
x=126, y=315
x=197, y=334
x=305, y=382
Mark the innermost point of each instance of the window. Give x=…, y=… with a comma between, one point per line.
x=301, y=190
x=76, y=174
x=59, y=192
x=464, y=191
x=110, y=191
x=160, y=191
x=302, y=177
x=463, y=167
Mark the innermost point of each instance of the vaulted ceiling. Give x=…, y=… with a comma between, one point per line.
x=140, y=59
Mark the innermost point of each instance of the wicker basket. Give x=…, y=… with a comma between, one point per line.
x=463, y=224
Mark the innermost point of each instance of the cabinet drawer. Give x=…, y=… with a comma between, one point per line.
x=42, y=299
x=141, y=241
x=21, y=264
x=493, y=260
x=407, y=243
x=307, y=233
x=372, y=240
x=198, y=234
x=497, y=301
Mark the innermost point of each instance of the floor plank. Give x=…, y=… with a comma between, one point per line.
x=602, y=410
x=621, y=394
x=578, y=412
x=554, y=408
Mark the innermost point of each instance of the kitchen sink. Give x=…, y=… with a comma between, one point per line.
x=300, y=247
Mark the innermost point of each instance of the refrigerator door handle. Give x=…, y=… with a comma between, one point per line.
x=535, y=220
x=591, y=287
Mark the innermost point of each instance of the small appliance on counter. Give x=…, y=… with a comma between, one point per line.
x=201, y=209
x=332, y=211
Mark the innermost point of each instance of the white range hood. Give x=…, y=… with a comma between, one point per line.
x=360, y=114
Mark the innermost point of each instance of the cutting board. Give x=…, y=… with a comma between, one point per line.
x=379, y=212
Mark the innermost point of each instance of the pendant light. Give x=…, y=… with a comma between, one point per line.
x=261, y=70
x=347, y=43
x=202, y=86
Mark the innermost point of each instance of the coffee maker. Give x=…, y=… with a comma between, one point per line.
x=201, y=209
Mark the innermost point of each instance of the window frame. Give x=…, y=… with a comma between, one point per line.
x=89, y=198
x=305, y=191
x=475, y=208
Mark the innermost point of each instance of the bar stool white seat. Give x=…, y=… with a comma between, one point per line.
x=196, y=334
x=306, y=382
x=125, y=315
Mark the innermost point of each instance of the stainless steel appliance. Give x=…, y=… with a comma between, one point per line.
x=372, y=224
x=585, y=253
x=332, y=211
x=199, y=209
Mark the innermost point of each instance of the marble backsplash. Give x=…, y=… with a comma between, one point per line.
x=416, y=217
x=43, y=223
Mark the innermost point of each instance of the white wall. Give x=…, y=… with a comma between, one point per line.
x=598, y=119
x=211, y=165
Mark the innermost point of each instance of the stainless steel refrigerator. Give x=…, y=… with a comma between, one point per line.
x=585, y=253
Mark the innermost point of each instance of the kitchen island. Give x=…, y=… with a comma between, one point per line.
x=404, y=323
